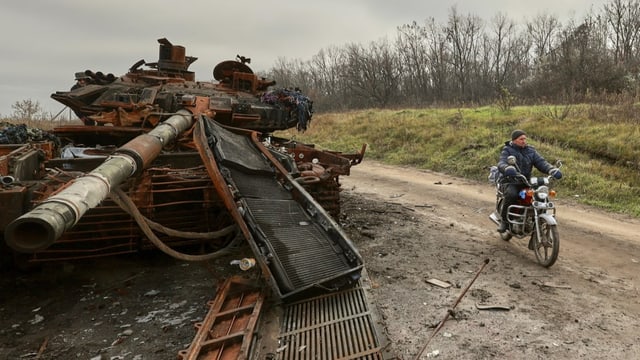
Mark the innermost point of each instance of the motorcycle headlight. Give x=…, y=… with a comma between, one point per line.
x=542, y=192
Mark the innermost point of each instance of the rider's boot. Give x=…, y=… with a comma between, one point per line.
x=503, y=226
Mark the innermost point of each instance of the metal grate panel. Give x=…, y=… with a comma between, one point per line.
x=260, y=186
x=333, y=326
x=304, y=250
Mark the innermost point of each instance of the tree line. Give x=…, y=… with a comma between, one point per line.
x=469, y=61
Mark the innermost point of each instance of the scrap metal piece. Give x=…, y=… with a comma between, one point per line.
x=227, y=330
x=492, y=307
x=440, y=283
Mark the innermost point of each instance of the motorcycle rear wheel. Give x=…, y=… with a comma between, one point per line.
x=548, y=247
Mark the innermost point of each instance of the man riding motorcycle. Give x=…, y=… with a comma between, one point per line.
x=526, y=158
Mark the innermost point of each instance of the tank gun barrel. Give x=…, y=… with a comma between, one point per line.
x=39, y=228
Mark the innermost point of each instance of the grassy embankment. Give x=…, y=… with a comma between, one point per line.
x=599, y=146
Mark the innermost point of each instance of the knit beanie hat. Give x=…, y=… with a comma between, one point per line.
x=516, y=134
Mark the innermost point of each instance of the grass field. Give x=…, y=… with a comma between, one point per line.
x=598, y=146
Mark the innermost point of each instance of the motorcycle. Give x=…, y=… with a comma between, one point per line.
x=533, y=215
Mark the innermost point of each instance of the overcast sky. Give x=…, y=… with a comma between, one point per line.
x=44, y=42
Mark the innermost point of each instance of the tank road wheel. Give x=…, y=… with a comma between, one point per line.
x=548, y=246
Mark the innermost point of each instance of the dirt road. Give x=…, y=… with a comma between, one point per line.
x=585, y=306
x=410, y=226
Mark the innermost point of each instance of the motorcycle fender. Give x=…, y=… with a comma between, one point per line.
x=549, y=219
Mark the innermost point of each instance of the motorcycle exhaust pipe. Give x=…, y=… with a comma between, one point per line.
x=7, y=180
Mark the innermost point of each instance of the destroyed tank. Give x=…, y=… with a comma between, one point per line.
x=162, y=161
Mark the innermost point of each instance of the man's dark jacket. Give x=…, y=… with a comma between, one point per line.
x=526, y=158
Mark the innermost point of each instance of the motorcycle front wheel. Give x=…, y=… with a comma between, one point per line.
x=548, y=246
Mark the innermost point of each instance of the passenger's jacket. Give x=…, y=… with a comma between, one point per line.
x=526, y=158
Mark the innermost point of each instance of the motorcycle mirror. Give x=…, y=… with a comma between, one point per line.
x=511, y=160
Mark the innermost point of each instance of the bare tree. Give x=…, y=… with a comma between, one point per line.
x=412, y=48
x=624, y=18
x=327, y=85
x=463, y=33
x=291, y=73
x=440, y=68
x=461, y=60
x=372, y=74
x=27, y=110
x=580, y=64
x=504, y=31
x=543, y=30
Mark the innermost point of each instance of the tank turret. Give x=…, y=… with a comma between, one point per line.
x=149, y=91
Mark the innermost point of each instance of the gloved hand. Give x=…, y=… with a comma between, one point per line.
x=555, y=172
x=510, y=171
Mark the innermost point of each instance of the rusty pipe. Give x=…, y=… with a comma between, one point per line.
x=39, y=228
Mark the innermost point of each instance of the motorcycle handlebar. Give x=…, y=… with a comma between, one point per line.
x=526, y=182
x=523, y=179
